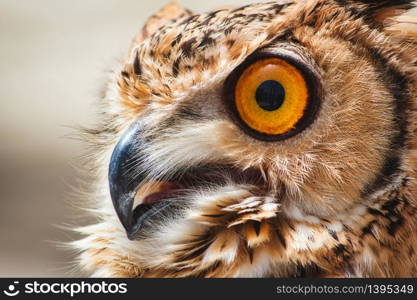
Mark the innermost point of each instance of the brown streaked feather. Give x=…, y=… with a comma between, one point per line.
x=404, y=27
x=168, y=14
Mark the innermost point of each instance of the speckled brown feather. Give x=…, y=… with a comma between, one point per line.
x=340, y=203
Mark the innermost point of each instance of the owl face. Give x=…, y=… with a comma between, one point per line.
x=248, y=138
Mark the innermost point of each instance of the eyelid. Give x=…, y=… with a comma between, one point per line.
x=312, y=81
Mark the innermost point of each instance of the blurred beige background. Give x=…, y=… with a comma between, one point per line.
x=52, y=56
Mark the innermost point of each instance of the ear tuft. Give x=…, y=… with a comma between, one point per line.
x=377, y=6
x=166, y=15
x=383, y=12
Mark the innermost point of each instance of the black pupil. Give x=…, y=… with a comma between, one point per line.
x=270, y=95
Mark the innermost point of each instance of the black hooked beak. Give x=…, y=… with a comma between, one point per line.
x=122, y=186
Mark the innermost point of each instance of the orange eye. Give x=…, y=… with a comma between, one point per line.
x=272, y=98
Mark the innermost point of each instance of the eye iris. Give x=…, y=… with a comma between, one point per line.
x=272, y=98
x=270, y=95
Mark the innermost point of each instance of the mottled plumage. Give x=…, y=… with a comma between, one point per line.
x=336, y=200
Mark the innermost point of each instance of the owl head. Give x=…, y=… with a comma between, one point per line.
x=256, y=141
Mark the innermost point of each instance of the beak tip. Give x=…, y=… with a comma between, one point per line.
x=122, y=187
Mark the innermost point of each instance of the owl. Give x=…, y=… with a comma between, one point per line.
x=270, y=140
